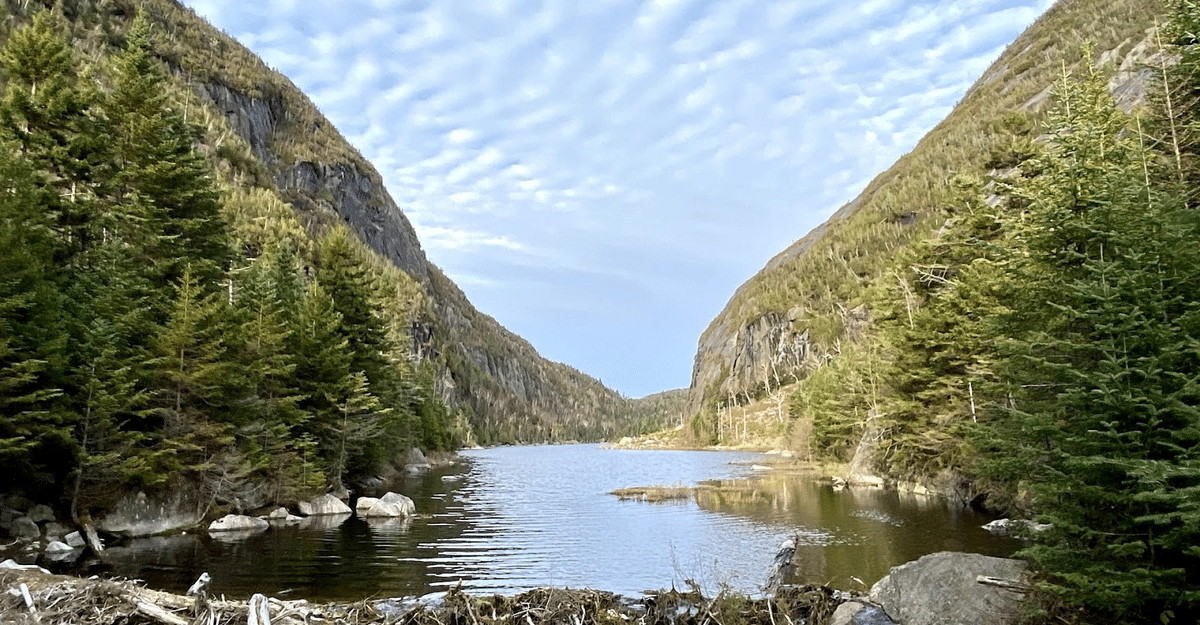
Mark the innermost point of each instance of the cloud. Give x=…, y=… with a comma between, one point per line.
x=634, y=161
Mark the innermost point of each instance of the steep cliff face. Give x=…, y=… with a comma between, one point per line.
x=508, y=390
x=812, y=296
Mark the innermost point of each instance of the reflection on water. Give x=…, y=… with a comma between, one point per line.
x=516, y=518
x=855, y=533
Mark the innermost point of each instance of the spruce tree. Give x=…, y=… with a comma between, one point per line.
x=344, y=277
x=35, y=431
x=46, y=112
x=155, y=160
x=1102, y=363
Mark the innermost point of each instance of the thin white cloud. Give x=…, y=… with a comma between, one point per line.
x=671, y=146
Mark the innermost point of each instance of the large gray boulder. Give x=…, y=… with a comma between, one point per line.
x=24, y=527
x=390, y=505
x=41, y=513
x=139, y=515
x=941, y=589
x=238, y=523
x=324, y=505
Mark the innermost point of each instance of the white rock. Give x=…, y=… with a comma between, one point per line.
x=1004, y=526
x=237, y=523
x=58, y=547
x=323, y=505
x=390, y=505
x=75, y=539
x=405, y=503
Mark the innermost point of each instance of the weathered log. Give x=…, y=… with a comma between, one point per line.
x=1006, y=584
x=145, y=608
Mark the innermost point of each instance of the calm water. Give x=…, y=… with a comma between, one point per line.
x=520, y=517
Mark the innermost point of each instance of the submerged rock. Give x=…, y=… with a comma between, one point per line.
x=942, y=589
x=1005, y=526
x=323, y=505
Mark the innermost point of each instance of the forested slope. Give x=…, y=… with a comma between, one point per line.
x=204, y=284
x=1009, y=315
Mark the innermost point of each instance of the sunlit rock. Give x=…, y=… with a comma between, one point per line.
x=324, y=505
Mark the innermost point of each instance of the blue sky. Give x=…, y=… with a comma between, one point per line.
x=601, y=175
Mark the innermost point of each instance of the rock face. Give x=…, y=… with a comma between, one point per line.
x=324, y=505
x=940, y=589
x=237, y=523
x=390, y=505
x=495, y=372
x=142, y=515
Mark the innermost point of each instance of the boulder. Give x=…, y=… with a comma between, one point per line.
x=859, y=612
x=41, y=513
x=237, y=523
x=25, y=527
x=390, y=505
x=55, y=528
x=137, y=515
x=75, y=540
x=281, y=515
x=324, y=505
x=16, y=502
x=941, y=589
x=407, y=504
x=416, y=462
x=58, y=547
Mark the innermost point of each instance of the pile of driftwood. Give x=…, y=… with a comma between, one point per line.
x=39, y=598
x=32, y=597
x=791, y=605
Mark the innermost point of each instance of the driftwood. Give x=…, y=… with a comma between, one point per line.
x=61, y=600
x=1006, y=584
x=146, y=608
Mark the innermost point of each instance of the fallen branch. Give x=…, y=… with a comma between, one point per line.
x=148, y=609
x=1006, y=584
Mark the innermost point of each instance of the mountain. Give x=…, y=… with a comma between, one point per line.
x=817, y=298
x=270, y=144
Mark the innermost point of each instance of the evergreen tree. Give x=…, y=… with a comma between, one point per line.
x=1102, y=365
x=34, y=431
x=155, y=160
x=184, y=386
x=322, y=370
x=344, y=277
x=46, y=113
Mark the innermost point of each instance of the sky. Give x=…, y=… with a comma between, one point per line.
x=601, y=175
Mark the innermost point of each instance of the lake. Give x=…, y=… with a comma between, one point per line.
x=514, y=518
